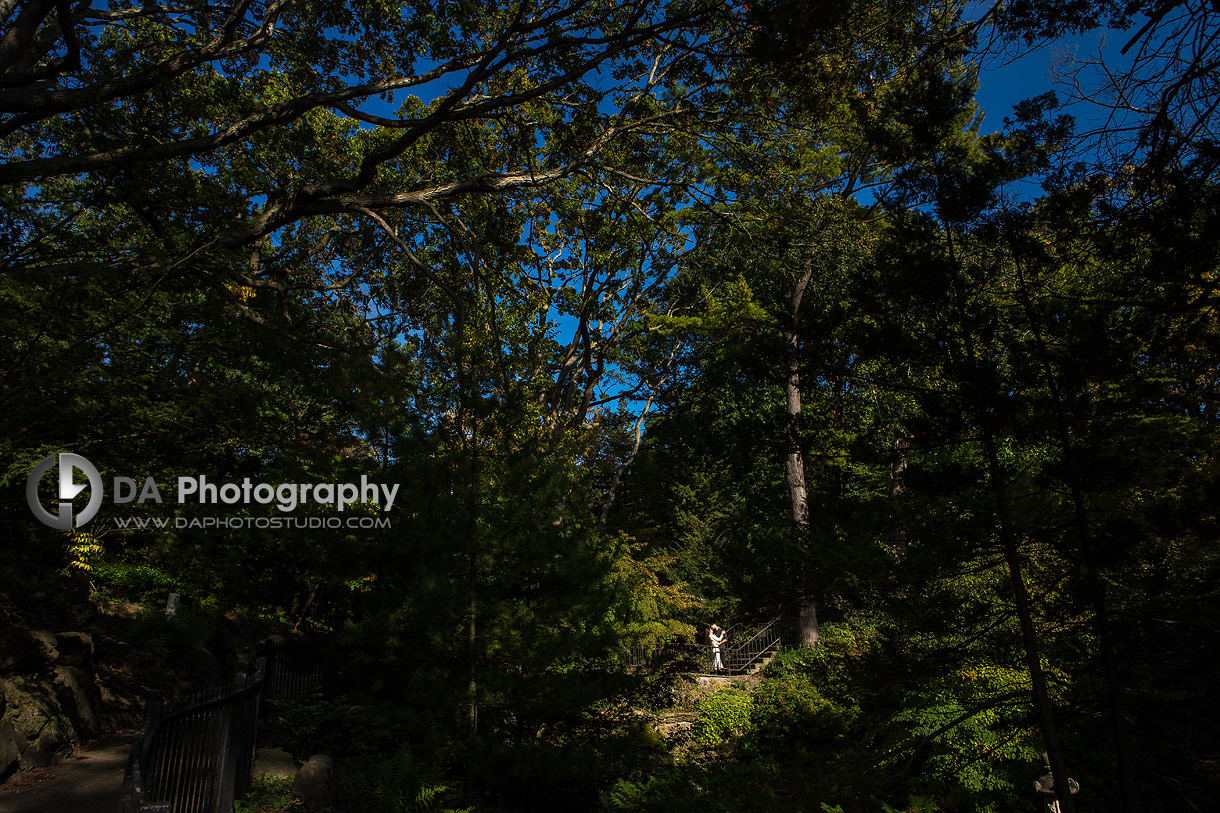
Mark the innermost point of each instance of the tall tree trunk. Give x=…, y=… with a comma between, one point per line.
x=1042, y=703
x=982, y=383
x=808, y=623
x=898, y=493
x=794, y=462
x=1128, y=795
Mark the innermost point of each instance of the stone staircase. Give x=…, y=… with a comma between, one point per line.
x=754, y=649
x=761, y=663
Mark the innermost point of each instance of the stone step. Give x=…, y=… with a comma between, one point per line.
x=759, y=664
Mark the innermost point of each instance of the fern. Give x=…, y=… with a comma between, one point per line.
x=393, y=784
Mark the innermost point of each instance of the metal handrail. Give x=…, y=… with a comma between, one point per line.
x=762, y=641
x=764, y=628
x=737, y=657
x=204, y=768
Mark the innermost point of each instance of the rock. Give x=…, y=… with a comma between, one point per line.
x=694, y=688
x=11, y=746
x=675, y=726
x=45, y=641
x=80, y=698
x=80, y=613
x=314, y=785
x=712, y=683
x=274, y=762
x=120, y=710
x=33, y=710
x=75, y=648
x=19, y=652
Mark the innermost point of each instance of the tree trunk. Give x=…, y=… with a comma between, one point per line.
x=809, y=629
x=898, y=493
x=794, y=463
x=982, y=381
x=1042, y=703
x=1128, y=794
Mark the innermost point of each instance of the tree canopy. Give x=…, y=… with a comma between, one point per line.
x=658, y=314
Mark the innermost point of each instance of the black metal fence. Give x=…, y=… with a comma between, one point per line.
x=196, y=754
x=294, y=668
x=674, y=656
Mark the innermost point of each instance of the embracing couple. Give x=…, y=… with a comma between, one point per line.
x=716, y=636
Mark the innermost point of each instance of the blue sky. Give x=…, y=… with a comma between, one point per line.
x=1026, y=72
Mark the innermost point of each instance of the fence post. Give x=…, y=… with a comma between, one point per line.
x=154, y=710
x=230, y=749
x=131, y=781
x=247, y=743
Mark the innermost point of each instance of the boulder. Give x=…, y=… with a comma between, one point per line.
x=20, y=652
x=32, y=708
x=81, y=699
x=45, y=642
x=122, y=707
x=11, y=746
x=75, y=648
x=274, y=762
x=314, y=785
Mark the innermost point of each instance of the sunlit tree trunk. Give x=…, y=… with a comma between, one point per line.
x=898, y=493
x=794, y=463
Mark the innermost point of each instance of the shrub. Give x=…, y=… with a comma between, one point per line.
x=789, y=709
x=134, y=580
x=724, y=715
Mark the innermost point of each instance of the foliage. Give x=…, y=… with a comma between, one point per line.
x=138, y=581
x=313, y=724
x=267, y=794
x=724, y=715
x=393, y=782
x=83, y=551
x=593, y=283
x=188, y=630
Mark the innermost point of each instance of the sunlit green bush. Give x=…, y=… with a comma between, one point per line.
x=724, y=715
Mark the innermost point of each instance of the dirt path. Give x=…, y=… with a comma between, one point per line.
x=89, y=781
